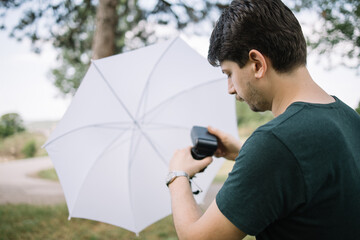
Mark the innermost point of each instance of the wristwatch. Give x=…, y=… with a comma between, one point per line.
x=174, y=174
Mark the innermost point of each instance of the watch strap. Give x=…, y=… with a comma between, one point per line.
x=174, y=174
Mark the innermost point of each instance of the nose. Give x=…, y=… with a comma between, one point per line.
x=231, y=89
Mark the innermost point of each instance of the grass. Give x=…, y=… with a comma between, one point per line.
x=49, y=174
x=50, y=222
x=80, y=228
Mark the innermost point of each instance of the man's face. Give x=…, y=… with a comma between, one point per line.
x=241, y=83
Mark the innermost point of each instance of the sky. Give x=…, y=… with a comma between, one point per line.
x=26, y=88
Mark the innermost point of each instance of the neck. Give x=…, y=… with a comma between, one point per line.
x=296, y=86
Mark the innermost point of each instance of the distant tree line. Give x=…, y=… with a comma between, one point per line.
x=81, y=30
x=92, y=29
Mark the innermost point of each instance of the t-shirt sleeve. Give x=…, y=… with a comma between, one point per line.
x=265, y=184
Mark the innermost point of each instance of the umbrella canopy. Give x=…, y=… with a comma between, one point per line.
x=131, y=112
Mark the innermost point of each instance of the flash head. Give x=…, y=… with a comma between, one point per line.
x=204, y=143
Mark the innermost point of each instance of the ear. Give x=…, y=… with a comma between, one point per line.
x=259, y=64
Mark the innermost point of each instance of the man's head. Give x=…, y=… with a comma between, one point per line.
x=264, y=25
x=257, y=42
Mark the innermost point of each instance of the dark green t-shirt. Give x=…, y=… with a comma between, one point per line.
x=298, y=176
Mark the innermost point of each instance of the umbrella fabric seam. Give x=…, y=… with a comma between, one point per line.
x=94, y=163
x=113, y=92
x=101, y=125
x=153, y=146
x=145, y=91
x=178, y=94
x=148, y=139
x=129, y=179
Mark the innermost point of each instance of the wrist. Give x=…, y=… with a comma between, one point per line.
x=172, y=175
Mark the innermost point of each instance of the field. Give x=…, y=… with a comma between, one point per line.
x=50, y=222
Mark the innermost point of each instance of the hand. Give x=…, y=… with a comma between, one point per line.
x=228, y=146
x=183, y=161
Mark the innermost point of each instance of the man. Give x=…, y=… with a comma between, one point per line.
x=296, y=177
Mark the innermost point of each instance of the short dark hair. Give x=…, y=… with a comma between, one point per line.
x=265, y=25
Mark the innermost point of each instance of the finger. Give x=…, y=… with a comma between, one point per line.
x=215, y=132
x=218, y=153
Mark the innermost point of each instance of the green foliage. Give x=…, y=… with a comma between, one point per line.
x=358, y=109
x=29, y=149
x=339, y=30
x=70, y=26
x=10, y=124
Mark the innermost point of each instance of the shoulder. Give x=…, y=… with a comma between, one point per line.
x=304, y=122
x=263, y=151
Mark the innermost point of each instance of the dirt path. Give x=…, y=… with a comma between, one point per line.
x=18, y=184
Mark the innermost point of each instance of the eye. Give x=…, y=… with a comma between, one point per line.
x=227, y=74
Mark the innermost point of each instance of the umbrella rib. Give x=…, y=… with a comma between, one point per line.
x=113, y=92
x=154, y=147
x=98, y=125
x=97, y=158
x=131, y=153
x=178, y=94
x=129, y=179
x=145, y=91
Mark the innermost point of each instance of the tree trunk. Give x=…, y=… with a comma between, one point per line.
x=106, y=23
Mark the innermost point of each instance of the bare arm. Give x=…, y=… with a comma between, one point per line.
x=189, y=221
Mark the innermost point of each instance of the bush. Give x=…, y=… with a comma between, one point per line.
x=10, y=124
x=12, y=147
x=30, y=149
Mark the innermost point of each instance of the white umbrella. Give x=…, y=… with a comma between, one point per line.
x=131, y=112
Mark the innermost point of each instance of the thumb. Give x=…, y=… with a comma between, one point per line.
x=203, y=163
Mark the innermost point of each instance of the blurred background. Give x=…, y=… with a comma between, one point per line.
x=46, y=48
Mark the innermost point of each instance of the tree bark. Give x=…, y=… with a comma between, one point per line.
x=106, y=23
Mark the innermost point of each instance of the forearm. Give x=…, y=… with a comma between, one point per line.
x=184, y=207
x=189, y=221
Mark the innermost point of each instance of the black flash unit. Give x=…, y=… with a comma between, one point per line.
x=204, y=143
